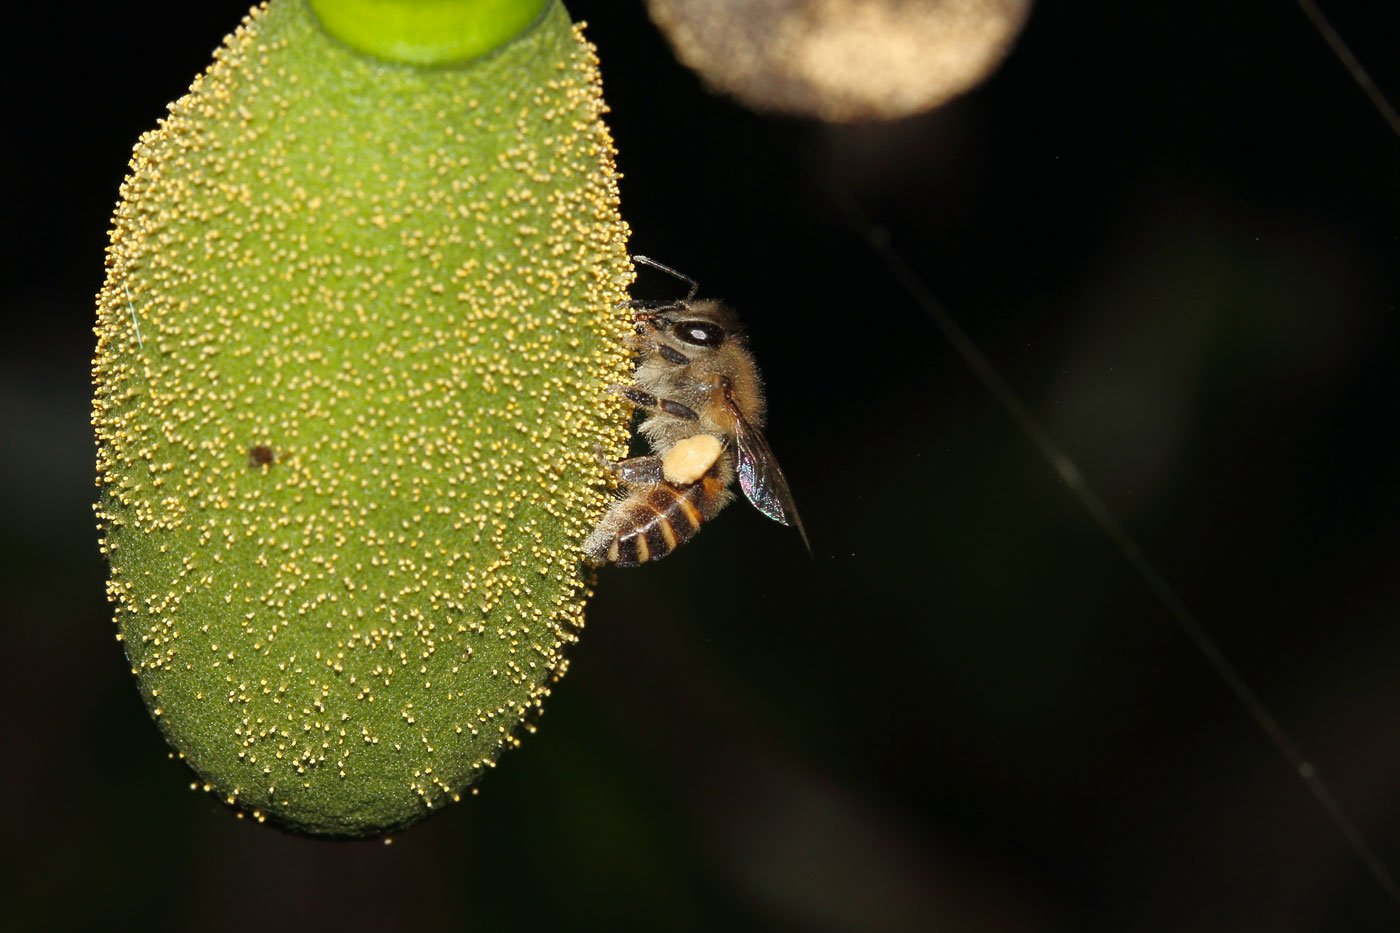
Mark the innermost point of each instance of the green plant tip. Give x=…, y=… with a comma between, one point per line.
x=352, y=347
x=427, y=32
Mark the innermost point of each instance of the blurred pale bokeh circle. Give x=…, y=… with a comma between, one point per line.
x=842, y=60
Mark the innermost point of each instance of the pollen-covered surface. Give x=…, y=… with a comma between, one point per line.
x=351, y=351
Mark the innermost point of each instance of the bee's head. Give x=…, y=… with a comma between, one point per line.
x=706, y=324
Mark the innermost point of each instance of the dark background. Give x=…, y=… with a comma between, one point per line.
x=1172, y=227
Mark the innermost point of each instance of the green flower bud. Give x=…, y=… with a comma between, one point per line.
x=351, y=351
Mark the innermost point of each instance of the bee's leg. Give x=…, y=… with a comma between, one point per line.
x=644, y=339
x=670, y=354
x=644, y=399
x=646, y=343
x=634, y=471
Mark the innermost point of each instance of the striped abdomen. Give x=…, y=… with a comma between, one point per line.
x=655, y=521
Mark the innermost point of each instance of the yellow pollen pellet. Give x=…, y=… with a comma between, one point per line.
x=690, y=459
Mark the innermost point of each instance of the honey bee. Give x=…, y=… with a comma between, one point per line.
x=703, y=398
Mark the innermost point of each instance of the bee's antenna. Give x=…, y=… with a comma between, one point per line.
x=694, y=286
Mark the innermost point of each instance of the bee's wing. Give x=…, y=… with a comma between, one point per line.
x=761, y=478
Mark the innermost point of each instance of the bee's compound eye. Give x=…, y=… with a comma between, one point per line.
x=698, y=333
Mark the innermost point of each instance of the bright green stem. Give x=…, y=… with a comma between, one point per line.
x=427, y=32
